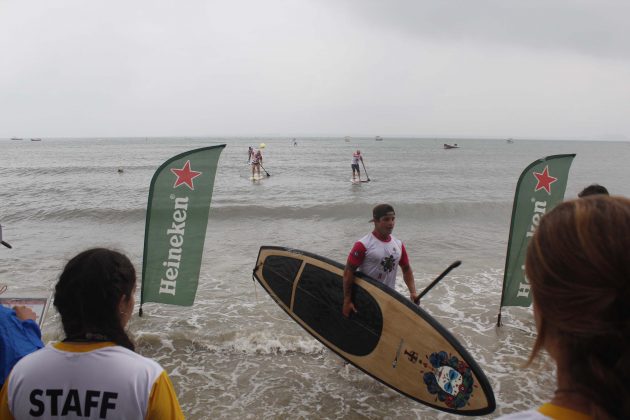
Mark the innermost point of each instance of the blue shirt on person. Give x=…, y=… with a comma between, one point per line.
x=17, y=339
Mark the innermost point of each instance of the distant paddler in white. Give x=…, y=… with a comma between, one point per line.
x=250, y=151
x=356, y=171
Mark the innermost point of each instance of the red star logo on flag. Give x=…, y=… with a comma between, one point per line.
x=185, y=176
x=544, y=180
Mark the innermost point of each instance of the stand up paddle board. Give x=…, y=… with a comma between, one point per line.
x=256, y=177
x=389, y=338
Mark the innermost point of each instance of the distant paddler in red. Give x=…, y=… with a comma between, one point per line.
x=256, y=160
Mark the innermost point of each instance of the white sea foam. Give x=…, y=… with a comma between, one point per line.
x=235, y=353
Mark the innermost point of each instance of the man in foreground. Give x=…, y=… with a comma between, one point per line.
x=378, y=254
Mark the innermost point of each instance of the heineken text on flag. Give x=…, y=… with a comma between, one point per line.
x=175, y=231
x=540, y=187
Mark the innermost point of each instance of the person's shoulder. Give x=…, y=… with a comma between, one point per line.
x=7, y=317
x=532, y=414
x=123, y=351
x=134, y=360
x=36, y=358
x=366, y=238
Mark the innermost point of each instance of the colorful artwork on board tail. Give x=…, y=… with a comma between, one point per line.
x=449, y=378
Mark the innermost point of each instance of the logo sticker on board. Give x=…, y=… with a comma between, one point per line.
x=449, y=378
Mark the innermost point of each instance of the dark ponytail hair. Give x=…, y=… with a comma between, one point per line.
x=578, y=264
x=88, y=293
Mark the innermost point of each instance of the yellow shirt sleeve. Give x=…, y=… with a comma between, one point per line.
x=163, y=402
x=557, y=412
x=5, y=413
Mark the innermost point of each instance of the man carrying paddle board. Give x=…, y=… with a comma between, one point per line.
x=378, y=254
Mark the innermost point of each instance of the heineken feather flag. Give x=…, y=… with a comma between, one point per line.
x=175, y=231
x=540, y=187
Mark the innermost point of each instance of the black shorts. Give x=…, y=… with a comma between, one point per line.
x=355, y=167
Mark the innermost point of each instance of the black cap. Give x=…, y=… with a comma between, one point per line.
x=593, y=189
x=382, y=210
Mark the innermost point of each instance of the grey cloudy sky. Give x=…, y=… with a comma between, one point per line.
x=493, y=68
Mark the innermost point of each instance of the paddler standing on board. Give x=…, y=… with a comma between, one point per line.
x=356, y=157
x=256, y=161
x=378, y=254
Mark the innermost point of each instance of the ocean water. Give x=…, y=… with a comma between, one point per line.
x=235, y=353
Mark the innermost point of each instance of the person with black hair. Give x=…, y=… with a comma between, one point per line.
x=94, y=372
x=593, y=189
x=378, y=254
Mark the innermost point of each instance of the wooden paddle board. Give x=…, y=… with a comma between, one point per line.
x=389, y=338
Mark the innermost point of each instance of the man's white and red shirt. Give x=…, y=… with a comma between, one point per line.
x=379, y=259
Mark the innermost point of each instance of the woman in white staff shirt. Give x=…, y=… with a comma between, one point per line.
x=94, y=373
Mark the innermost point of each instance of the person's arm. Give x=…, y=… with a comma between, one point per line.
x=355, y=259
x=163, y=402
x=5, y=413
x=407, y=273
x=28, y=319
x=24, y=313
x=348, y=281
x=409, y=281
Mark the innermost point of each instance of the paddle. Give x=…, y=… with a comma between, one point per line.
x=434, y=282
x=1, y=241
x=265, y=170
x=365, y=170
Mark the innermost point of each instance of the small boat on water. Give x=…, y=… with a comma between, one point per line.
x=36, y=139
x=378, y=138
x=451, y=146
x=16, y=138
x=347, y=139
x=510, y=140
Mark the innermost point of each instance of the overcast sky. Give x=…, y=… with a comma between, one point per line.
x=495, y=68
